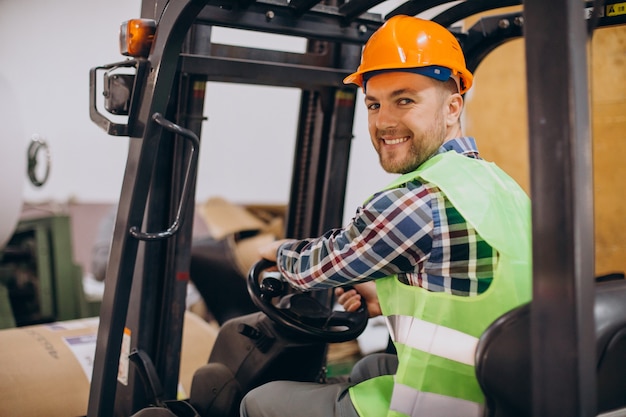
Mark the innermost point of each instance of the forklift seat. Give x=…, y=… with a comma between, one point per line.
x=503, y=363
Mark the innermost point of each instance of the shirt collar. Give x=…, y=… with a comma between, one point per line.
x=465, y=145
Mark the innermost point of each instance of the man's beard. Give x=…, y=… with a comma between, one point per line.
x=429, y=143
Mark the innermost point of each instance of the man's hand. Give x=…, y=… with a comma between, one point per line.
x=270, y=250
x=351, y=299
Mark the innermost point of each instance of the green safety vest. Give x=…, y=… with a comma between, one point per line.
x=435, y=334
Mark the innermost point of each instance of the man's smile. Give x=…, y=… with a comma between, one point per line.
x=394, y=141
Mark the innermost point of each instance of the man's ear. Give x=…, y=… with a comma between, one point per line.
x=454, y=107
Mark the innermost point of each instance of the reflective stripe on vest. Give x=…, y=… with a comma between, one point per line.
x=432, y=338
x=411, y=402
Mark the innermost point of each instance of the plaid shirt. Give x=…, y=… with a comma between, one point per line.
x=412, y=231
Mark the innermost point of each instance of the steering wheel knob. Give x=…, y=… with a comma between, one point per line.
x=272, y=287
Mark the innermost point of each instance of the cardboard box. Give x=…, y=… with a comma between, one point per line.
x=45, y=369
x=245, y=228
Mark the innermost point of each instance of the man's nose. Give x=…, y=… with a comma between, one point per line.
x=386, y=118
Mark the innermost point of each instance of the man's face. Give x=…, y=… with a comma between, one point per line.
x=406, y=119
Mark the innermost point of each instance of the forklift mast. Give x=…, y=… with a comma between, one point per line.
x=163, y=100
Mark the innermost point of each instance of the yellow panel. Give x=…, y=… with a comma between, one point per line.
x=496, y=115
x=496, y=111
x=609, y=147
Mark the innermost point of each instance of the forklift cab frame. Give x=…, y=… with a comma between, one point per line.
x=150, y=255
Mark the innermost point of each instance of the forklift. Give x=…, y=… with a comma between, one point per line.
x=159, y=91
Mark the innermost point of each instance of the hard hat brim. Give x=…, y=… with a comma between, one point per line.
x=432, y=71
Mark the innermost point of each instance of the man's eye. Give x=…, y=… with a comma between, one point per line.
x=404, y=101
x=373, y=106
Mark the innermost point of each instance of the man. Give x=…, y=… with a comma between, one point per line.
x=441, y=252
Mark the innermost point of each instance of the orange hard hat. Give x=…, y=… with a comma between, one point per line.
x=413, y=44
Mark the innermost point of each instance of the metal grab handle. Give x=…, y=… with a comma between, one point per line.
x=184, y=198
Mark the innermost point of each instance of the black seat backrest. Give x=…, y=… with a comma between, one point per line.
x=503, y=356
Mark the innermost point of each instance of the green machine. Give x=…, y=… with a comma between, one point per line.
x=39, y=281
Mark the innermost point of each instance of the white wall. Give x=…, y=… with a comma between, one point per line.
x=46, y=52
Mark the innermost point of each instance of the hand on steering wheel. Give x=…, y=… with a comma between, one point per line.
x=300, y=312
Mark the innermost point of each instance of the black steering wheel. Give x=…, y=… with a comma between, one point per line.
x=300, y=312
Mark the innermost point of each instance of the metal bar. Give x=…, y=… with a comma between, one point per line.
x=354, y=9
x=470, y=8
x=415, y=7
x=562, y=319
x=492, y=31
x=189, y=108
x=308, y=59
x=176, y=20
x=338, y=160
x=263, y=73
x=301, y=6
x=320, y=23
x=170, y=307
x=306, y=162
x=489, y=33
x=150, y=275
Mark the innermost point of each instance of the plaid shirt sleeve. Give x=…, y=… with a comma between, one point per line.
x=390, y=234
